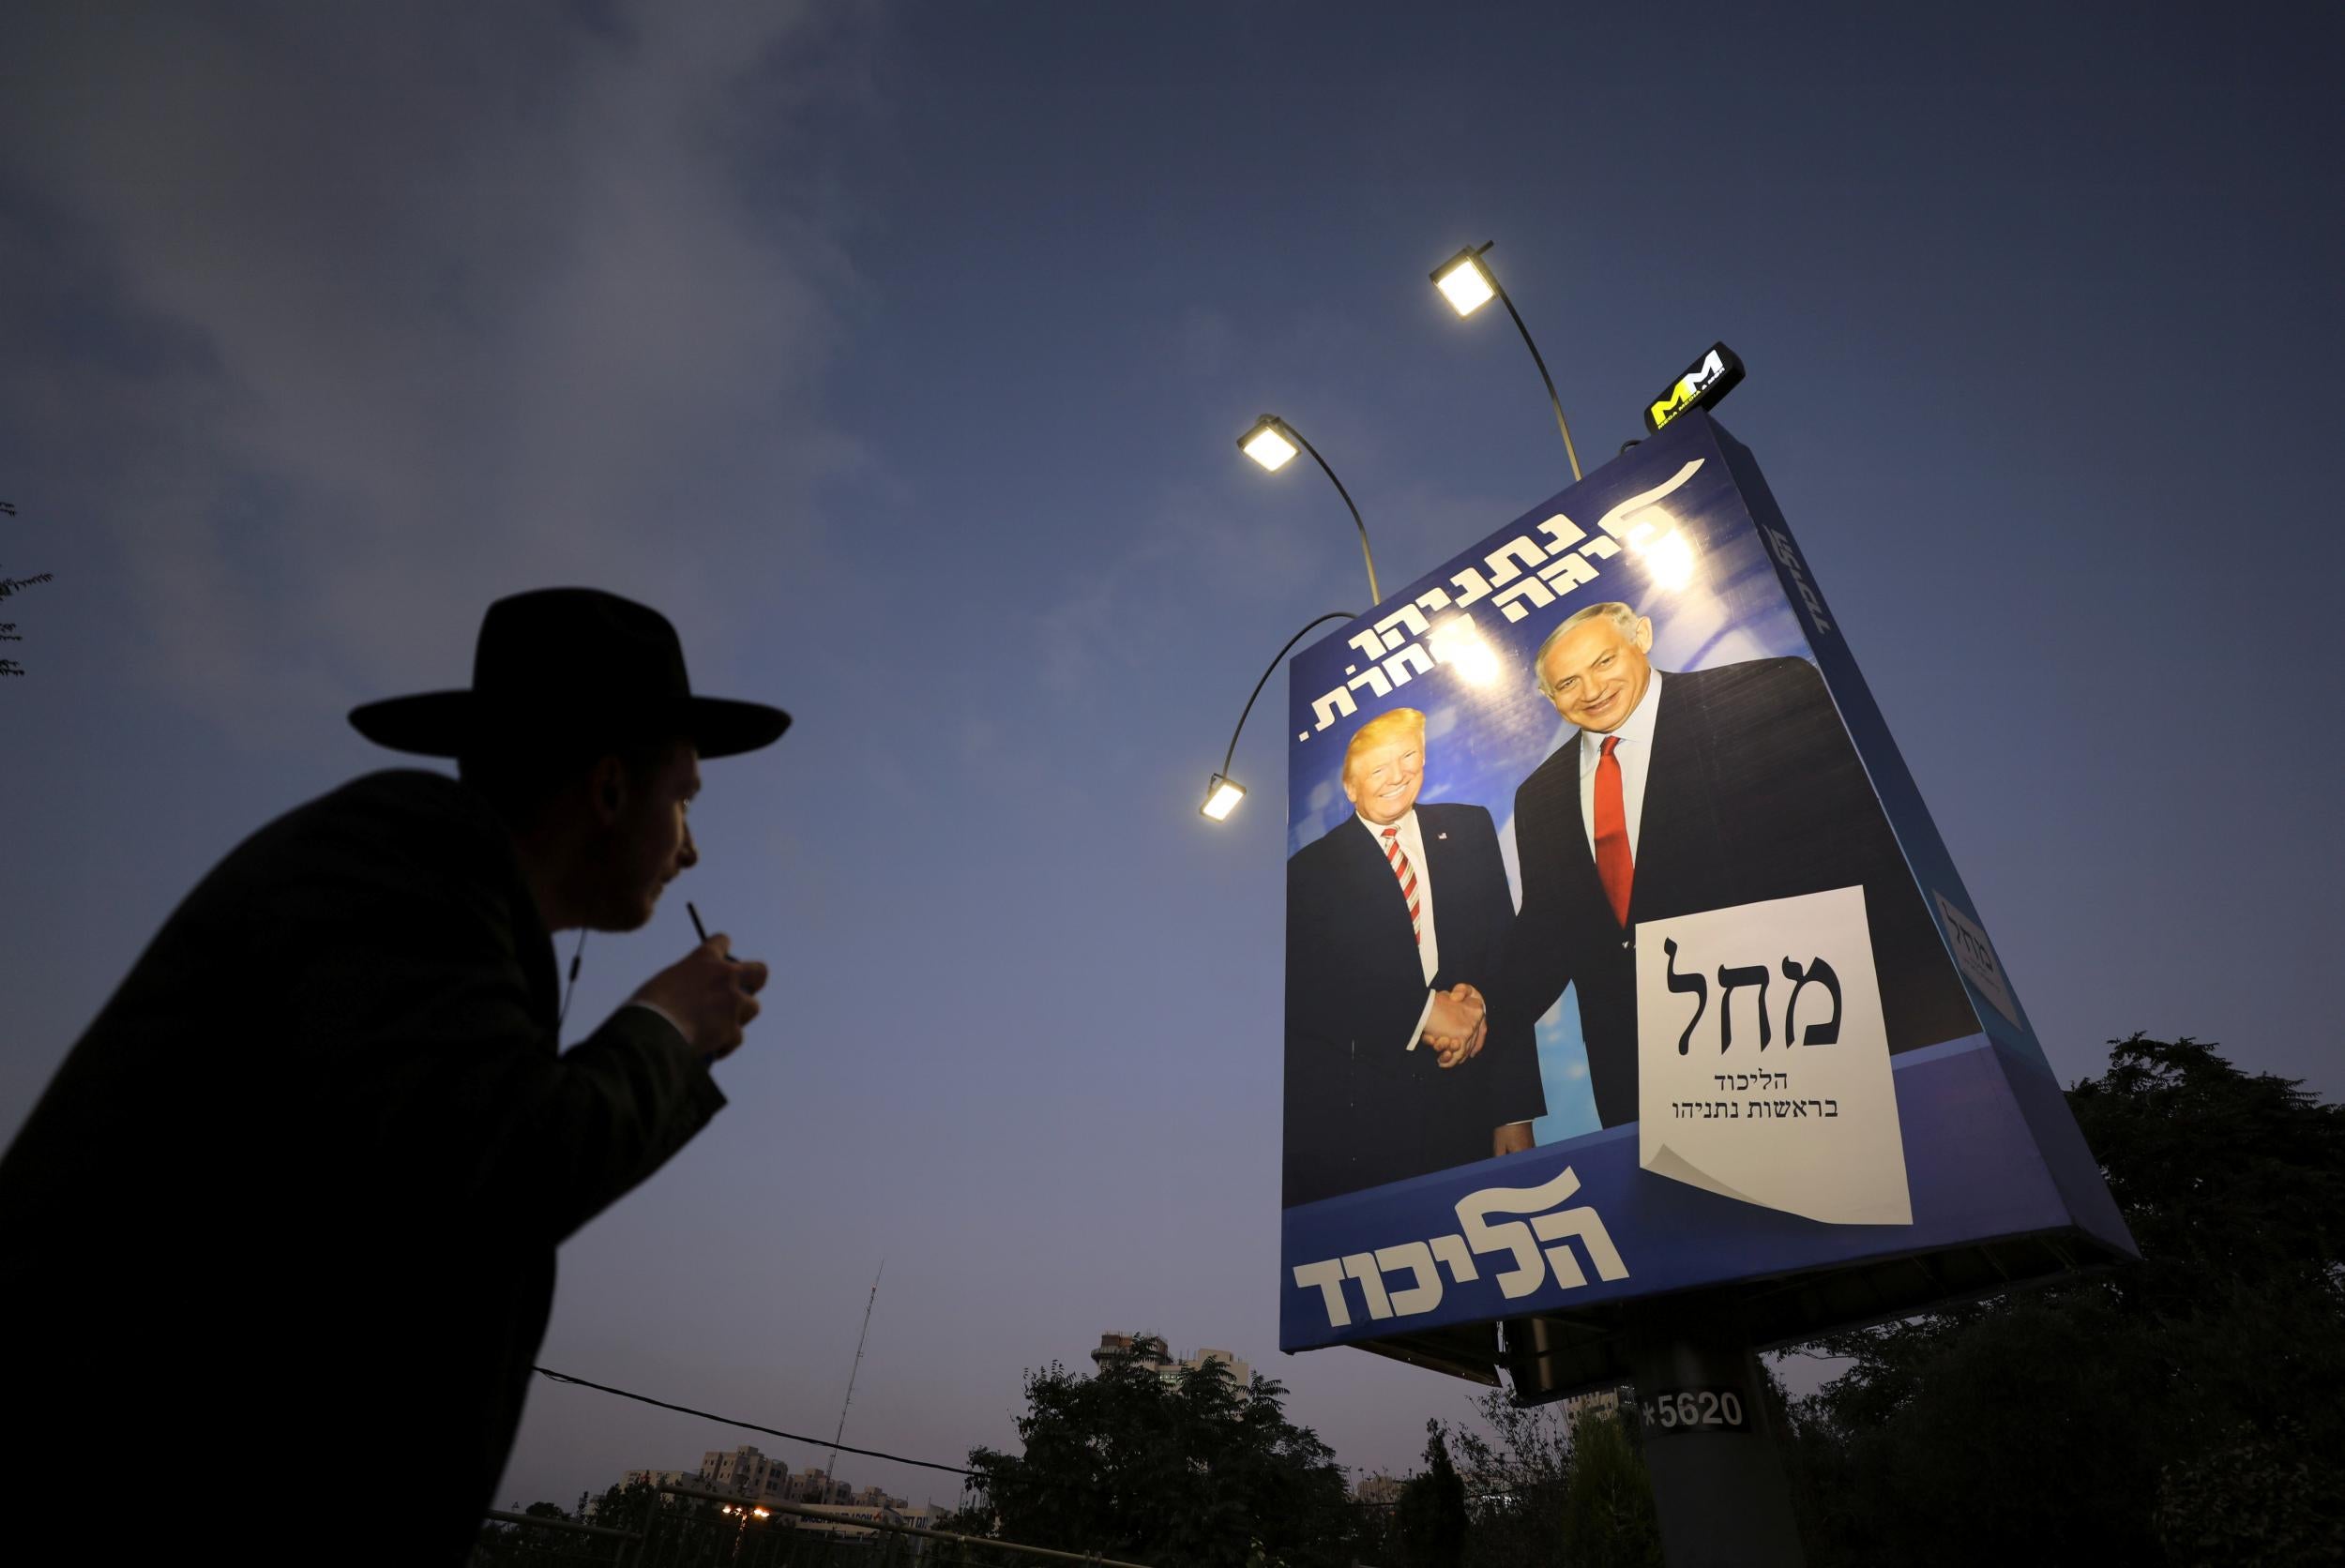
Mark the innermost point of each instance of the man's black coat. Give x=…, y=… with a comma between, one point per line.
x=289, y=1208
x=1362, y=1108
x=1753, y=792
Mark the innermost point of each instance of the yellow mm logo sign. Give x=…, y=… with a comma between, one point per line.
x=1707, y=379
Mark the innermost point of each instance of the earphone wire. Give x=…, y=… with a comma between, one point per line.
x=572, y=989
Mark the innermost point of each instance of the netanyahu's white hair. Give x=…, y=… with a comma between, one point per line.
x=1622, y=615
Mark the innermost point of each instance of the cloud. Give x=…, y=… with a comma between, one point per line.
x=341, y=321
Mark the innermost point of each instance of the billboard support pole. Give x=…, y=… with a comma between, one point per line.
x=1719, y=1485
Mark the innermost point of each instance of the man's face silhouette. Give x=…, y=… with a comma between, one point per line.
x=1597, y=673
x=647, y=840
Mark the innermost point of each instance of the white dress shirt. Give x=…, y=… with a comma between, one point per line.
x=1635, y=756
x=1428, y=944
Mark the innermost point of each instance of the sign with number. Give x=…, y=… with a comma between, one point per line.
x=1670, y=1411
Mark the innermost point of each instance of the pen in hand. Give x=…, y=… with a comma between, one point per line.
x=703, y=929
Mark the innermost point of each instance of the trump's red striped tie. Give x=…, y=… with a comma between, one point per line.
x=1407, y=873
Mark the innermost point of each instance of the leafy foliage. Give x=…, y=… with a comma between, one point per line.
x=1520, y=1472
x=682, y=1529
x=2187, y=1410
x=503, y=1544
x=1430, y=1520
x=1178, y=1474
x=1608, y=1517
x=1538, y=1490
x=10, y=586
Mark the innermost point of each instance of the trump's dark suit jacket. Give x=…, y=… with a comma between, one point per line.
x=1753, y=792
x=299, y=1185
x=1362, y=1108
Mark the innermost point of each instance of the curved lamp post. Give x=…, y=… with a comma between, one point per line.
x=1272, y=443
x=1468, y=284
x=1222, y=792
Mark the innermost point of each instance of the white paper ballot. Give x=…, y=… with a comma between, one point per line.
x=1763, y=1063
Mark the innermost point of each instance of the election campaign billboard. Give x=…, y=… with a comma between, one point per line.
x=1624, y=960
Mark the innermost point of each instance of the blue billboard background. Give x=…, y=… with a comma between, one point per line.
x=1683, y=529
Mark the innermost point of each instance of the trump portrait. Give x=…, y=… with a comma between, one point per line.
x=1392, y=916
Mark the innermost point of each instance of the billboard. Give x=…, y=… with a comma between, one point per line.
x=1623, y=959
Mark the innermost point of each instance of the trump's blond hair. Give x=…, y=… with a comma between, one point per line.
x=1384, y=727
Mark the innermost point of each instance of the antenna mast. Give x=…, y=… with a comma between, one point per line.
x=830, y=1474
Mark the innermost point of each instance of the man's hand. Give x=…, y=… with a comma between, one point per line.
x=1457, y=1026
x=710, y=995
x=1512, y=1139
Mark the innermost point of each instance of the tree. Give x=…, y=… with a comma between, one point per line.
x=679, y=1529
x=969, y=1518
x=1180, y=1474
x=1430, y=1518
x=11, y=586
x=1609, y=1516
x=2187, y=1410
x=1518, y=1473
x=500, y=1543
x=630, y=1505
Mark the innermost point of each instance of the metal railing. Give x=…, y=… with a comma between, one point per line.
x=707, y=1529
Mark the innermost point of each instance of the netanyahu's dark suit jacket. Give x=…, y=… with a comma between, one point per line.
x=1753, y=792
x=299, y=1185
x=1362, y=1108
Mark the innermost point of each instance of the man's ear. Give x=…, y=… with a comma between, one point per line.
x=1645, y=634
x=606, y=790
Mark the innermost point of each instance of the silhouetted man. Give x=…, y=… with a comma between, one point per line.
x=290, y=1206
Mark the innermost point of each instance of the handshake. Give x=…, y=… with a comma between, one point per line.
x=1456, y=1025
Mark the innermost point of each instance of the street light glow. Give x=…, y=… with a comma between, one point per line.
x=1222, y=798
x=1659, y=541
x=1464, y=283
x=1671, y=562
x=1265, y=445
x=1459, y=645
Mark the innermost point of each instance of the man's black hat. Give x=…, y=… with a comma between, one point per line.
x=567, y=664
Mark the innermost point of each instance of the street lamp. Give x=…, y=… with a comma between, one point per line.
x=1272, y=443
x=1468, y=284
x=1265, y=445
x=1222, y=792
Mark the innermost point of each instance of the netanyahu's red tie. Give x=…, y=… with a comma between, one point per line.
x=1614, y=869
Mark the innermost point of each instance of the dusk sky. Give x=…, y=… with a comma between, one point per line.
x=898, y=354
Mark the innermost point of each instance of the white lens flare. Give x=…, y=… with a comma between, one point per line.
x=1459, y=645
x=1657, y=540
